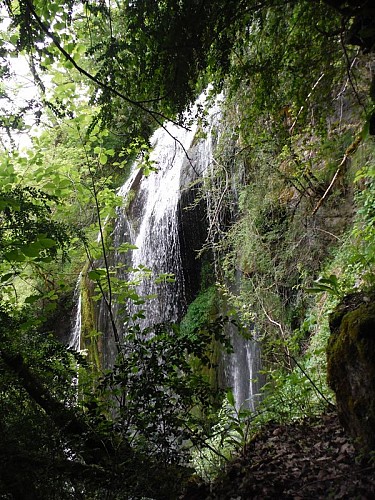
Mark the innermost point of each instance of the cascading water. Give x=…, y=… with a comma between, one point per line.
x=152, y=221
x=74, y=341
x=168, y=236
x=156, y=238
x=75, y=336
x=241, y=370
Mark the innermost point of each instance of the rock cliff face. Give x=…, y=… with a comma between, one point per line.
x=351, y=366
x=191, y=227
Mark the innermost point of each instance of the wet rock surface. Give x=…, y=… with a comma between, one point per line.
x=312, y=459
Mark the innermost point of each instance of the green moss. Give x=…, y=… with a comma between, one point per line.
x=351, y=366
x=91, y=339
x=353, y=333
x=200, y=312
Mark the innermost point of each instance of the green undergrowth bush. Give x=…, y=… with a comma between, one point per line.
x=228, y=436
x=205, y=319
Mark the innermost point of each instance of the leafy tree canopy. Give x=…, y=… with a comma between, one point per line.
x=145, y=61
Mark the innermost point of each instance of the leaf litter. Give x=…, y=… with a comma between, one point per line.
x=310, y=459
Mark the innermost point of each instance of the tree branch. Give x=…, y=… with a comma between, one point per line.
x=350, y=150
x=82, y=71
x=64, y=417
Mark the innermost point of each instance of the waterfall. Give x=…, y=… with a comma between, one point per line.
x=156, y=236
x=75, y=335
x=167, y=236
x=241, y=370
x=153, y=221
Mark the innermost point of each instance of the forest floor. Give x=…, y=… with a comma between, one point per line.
x=312, y=459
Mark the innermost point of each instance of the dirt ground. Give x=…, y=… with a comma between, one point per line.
x=312, y=459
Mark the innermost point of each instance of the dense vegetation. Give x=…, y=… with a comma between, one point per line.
x=292, y=208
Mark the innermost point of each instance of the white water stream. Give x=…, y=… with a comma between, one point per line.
x=155, y=230
x=153, y=225
x=75, y=335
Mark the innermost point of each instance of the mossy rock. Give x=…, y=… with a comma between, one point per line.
x=91, y=339
x=351, y=366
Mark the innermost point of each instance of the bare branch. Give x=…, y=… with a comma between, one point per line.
x=350, y=150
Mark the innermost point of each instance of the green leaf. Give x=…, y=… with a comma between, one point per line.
x=125, y=247
x=14, y=256
x=46, y=259
x=14, y=39
x=230, y=398
x=103, y=158
x=80, y=49
x=31, y=250
x=67, y=64
x=31, y=299
x=69, y=47
x=59, y=26
x=47, y=242
x=96, y=274
x=93, y=275
x=165, y=278
x=331, y=280
x=6, y=277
